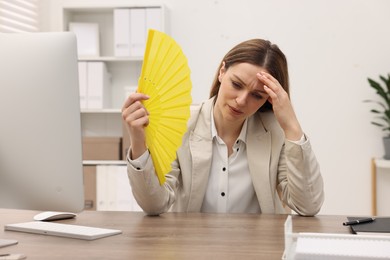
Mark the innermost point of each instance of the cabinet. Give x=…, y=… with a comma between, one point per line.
x=380, y=185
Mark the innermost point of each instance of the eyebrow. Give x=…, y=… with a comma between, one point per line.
x=235, y=77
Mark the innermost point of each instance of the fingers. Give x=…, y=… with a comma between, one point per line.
x=269, y=81
x=272, y=87
x=134, y=112
x=282, y=107
x=134, y=97
x=136, y=117
x=271, y=94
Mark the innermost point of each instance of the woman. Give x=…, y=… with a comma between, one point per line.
x=244, y=150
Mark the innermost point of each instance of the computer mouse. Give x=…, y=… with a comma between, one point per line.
x=53, y=215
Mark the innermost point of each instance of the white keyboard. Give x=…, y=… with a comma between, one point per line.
x=62, y=230
x=7, y=242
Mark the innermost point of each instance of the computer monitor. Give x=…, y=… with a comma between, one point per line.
x=40, y=132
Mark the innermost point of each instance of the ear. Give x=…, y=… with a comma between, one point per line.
x=222, y=71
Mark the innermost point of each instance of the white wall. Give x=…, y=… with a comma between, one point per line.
x=332, y=47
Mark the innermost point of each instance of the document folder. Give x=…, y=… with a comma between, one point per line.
x=380, y=226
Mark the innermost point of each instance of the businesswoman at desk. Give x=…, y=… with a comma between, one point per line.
x=244, y=151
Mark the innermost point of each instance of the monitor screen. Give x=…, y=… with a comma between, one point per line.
x=40, y=132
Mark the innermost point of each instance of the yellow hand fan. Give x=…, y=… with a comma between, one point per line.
x=165, y=78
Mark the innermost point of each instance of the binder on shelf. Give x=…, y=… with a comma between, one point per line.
x=137, y=32
x=153, y=18
x=113, y=190
x=83, y=85
x=89, y=177
x=131, y=27
x=98, y=86
x=94, y=85
x=380, y=226
x=122, y=32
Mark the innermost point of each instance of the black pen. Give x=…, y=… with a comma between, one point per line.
x=358, y=221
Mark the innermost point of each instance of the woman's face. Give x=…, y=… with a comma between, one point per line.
x=241, y=93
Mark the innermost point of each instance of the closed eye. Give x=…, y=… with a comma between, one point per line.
x=236, y=85
x=257, y=95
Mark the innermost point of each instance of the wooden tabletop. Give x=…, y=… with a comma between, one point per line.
x=169, y=236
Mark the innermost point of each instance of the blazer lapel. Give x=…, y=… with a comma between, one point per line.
x=259, y=157
x=201, y=155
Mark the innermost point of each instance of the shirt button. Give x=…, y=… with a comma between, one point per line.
x=138, y=168
x=238, y=149
x=237, y=142
x=224, y=169
x=223, y=194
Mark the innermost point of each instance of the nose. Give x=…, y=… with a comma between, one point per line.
x=241, y=98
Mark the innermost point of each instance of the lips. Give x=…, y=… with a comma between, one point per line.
x=235, y=110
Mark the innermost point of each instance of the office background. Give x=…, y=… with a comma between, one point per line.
x=331, y=46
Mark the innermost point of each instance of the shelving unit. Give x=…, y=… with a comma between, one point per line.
x=376, y=164
x=107, y=122
x=124, y=71
x=103, y=162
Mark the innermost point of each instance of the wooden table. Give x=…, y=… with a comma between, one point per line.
x=169, y=236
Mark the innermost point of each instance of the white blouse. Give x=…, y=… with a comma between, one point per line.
x=230, y=187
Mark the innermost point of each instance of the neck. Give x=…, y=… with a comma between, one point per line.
x=227, y=130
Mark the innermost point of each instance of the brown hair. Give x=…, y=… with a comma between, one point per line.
x=260, y=53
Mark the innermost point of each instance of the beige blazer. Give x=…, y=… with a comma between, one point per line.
x=280, y=170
